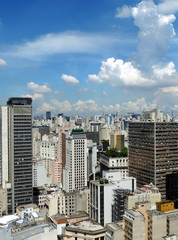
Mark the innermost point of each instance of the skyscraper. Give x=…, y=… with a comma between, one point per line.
x=75, y=171
x=48, y=115
x=153, y=152
x=17, y=150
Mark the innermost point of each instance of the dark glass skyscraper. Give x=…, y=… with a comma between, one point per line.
x=20, y=150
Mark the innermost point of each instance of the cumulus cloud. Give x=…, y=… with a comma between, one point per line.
x=2, y=62
x=45, y=107
x=86, y=106
x=124, y=12
x=36, y=88
x=165, y=71
x=148, y=67
x=168, y=6
x=90, y=106
x=137, y=106
x=69, y=79
x=116, y=72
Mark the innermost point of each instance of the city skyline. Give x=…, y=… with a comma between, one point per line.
x=90, y=57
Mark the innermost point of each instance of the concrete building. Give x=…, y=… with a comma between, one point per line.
x=85, y=230
x=155, y=115
x=134, y=225
x=60, y=202
x=48, y=147
x=114, y=232
x=116, y=140
x=41, y=174
x=153, y=152
x=118, y=163
x=75, y=171
x=91, y=159
x=102, y=196
x=17, y=151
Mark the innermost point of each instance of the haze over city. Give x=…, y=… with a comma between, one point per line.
x=90, y=57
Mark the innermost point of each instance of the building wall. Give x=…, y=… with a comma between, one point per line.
x=153, y=152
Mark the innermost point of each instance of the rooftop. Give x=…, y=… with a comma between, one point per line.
x=86, y=226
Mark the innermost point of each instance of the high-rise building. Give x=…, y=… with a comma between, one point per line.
x=48, y=115
x=153, y=152
x=17, y=151
x=75, y=171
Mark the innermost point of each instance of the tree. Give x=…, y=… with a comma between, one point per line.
x=105, y=144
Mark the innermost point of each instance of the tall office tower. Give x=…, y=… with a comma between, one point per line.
x=60, y=162
x=75, y=171
x=153, y=152
x=48, y=115
x=17, y=150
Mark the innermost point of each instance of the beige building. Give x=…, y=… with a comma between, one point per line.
x=134, y=225
x=85, y=230
x=114, y=232
x=116, y=140
x=3, y=201
x=148, y=193
x=60, y=202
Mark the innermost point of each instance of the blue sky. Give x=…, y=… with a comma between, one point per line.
x=89, y=57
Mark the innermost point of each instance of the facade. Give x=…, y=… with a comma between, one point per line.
x=102, y=195
x=116, y=140
x=60, y=202
x=48, y=115
x=17, y=151
x=118, y=163
x=91, y=159
x=153, y=152
x=75, y=171
x=134, y=223
x=85, y=230
x=154, y=115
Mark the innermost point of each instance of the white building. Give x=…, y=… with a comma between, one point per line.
x=75, y=171
x=102, y=194
x=48, y=147
x=118, y=163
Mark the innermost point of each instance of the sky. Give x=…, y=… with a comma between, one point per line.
x=90, y=57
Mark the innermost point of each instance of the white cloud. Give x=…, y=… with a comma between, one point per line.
x=137, y=106
x=45, y=107
x=117, y=73
x=124, y=12
x=155, y=31
x=149, y=67
x=69, y=79
x=168, y=6
x=36, y=88
x=60, y=43
x=64, y=106
x=165, y=71
x=172, y=89
x=34, y=97
x=2, y=62
x=111, y=108
x=86, y=106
